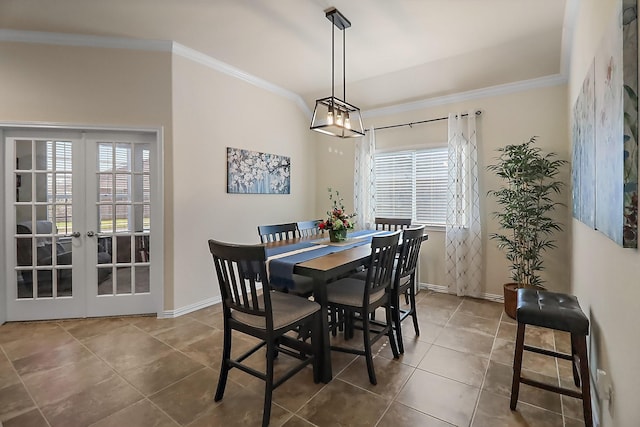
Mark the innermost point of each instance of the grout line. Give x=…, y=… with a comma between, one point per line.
x=145, y=397
x=35, y=404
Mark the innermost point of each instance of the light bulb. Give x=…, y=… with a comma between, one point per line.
x=330, y=117
x=339, y=118
x=347, y=121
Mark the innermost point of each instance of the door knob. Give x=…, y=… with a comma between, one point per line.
x=90, y=233
x=75, y=234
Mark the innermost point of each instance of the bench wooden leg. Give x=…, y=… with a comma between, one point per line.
x=517, y=366
x=580, y=345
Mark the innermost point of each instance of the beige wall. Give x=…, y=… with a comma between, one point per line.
x=506, y=119
x=213, y=111
x=90, y=87
x=605, y=276
x=201, y=111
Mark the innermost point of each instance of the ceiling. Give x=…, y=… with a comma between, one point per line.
x=397, y=51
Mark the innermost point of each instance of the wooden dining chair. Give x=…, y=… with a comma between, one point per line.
x=263, y=314
x=302, y=285
x=392, y=224
x=361, y=298
x=276, y=232
x=404, y=281
x=309, y=228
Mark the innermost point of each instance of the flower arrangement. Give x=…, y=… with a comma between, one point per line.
x=337, y=222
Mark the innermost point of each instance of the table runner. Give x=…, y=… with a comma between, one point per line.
x=281, y=268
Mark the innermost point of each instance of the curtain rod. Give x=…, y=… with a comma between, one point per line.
x=478, y=112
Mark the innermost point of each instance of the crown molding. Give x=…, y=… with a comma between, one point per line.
x=215, y=64
x=521, y=86
x=223, y=67
x=154, y=46
x=84, y=40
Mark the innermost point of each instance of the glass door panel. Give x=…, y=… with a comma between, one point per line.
x=123, y=208
x=42, y=274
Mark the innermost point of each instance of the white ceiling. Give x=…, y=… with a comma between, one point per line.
x=397, y=51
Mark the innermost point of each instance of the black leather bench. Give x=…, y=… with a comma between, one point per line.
x=560, y=312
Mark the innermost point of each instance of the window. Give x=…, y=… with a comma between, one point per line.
x=412, y=184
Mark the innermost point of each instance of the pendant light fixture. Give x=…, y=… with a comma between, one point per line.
x=333, y=116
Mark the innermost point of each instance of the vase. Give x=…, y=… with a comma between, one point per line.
x=338, y=235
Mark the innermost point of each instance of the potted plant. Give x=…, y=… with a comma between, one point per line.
x=529, y=182
x=337, y=222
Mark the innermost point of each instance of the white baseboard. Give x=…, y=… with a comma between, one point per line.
x=215, y=300
x=191, y=307
x=445, y=290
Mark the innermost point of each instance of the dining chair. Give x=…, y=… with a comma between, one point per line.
x=392, y=224
x=361, y=298
x=276, y=232
x=309, y=228
x=404, y=281
x=302, y=285
x=263, y=314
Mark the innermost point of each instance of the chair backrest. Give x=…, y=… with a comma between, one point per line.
x=409, y=254
x=309, y=228
x=392, y=224
x=380, y=265
x=273, y=233
x=240, y=268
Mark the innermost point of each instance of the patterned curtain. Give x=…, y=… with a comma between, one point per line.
x=364, y=181
x=464, y=235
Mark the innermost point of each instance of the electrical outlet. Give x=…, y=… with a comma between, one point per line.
x=603, y=385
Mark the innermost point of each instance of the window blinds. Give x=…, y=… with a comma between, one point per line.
x=412, y=184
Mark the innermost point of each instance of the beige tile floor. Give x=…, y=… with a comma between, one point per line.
x=143, y=371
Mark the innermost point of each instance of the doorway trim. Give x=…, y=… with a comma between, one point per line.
x=157, y=244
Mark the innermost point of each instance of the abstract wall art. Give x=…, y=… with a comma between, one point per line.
x=605, y=134
x=252, y=172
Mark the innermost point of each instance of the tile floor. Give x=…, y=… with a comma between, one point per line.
x=143, y=371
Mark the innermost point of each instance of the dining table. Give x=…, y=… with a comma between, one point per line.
x=323, y=261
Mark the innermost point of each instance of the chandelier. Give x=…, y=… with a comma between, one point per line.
x=333, y=116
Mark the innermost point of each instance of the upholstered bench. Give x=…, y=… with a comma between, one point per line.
x=560, y=312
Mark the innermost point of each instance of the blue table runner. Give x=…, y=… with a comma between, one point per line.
x=281, y=269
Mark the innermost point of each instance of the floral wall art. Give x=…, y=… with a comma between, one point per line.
x=252, y=172
x=605, y=134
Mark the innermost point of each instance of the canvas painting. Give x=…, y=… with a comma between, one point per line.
x=609, y=126
x=252, y=172
x=610, y=88
x=630, y=100
x=584, y=152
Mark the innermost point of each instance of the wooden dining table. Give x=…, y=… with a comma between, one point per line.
x=325, y=269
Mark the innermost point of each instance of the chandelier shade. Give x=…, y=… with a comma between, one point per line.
x=333, y=116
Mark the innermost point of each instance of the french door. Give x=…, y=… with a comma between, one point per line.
x=79, y=210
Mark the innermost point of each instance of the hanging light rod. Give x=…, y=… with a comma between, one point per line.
x=334, y=116
x=478, y=113
x=337, y=18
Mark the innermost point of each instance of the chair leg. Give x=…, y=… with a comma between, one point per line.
x=316, y=345
x=268, y=387
x=580, y=343
x=574, y=364
x=414, y=313
x=224, y=368
x=392, y=340
x=406, y=296
x=367, y=348
x=517, y=366
x=397, y=322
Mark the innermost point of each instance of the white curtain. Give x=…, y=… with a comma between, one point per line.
x=364, y=181
x=463, y=258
